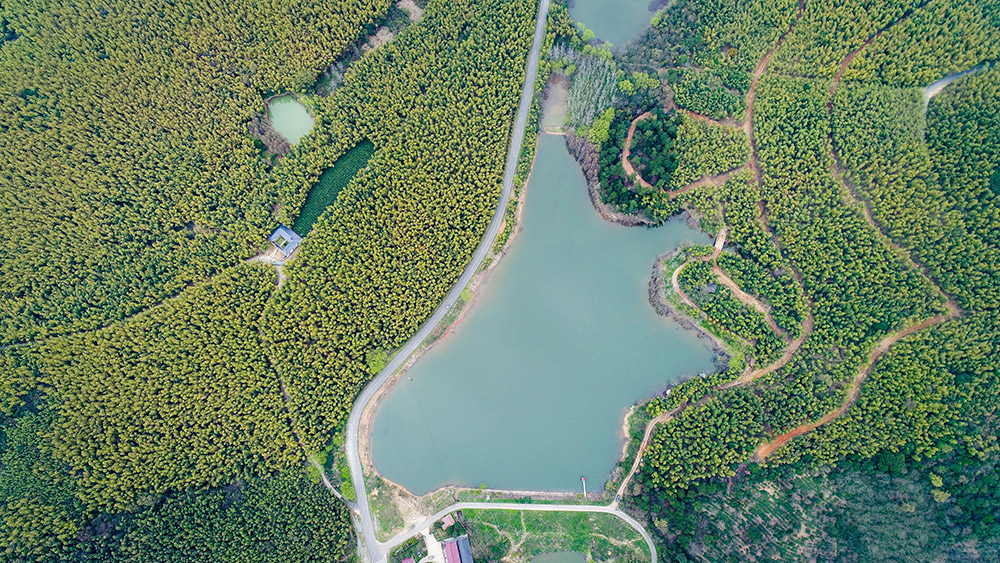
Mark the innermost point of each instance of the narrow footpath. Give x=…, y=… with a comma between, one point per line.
x=853, y=198
x=807, y=325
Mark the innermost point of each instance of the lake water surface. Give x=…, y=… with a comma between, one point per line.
x=530, y=390
x=615, y=21
x=289, y=118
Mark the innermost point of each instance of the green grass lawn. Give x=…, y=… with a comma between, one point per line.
x=517, y=535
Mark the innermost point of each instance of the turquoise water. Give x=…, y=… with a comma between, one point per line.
x=560, y=557
x=530, y=390
x=616, y=21
x=289, y=118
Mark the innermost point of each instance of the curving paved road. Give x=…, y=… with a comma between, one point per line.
x=378, y=552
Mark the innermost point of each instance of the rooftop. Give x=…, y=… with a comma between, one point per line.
x=464, y=549
x=457, y=550
x=451, y=554
x=285, y=239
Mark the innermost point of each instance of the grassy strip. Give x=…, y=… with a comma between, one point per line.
x=518, y=536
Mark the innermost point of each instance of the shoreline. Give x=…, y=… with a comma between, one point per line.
x=659, y=302
x=585, y=154
x=474, y=288
x=575, y=146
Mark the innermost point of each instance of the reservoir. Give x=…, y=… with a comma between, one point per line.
x=530, y=390
x=289, y=118
x=615, y=21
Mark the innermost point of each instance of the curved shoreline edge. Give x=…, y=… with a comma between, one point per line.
x=376, y=551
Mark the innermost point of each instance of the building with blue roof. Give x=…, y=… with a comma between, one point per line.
x=464, y=549
x=285, y=239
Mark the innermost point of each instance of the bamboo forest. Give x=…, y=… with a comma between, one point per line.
x=201, y=316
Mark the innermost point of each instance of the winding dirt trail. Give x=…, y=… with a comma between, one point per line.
x=853, y=198
x=630, y=170
x=855, y=388
x=713, y=180
x=752, y=93
x=720, y=242
x=646, y=436
x=808, y=323
x=752, y=375
x=706, y=119
x=258, y=258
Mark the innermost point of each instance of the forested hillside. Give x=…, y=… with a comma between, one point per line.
x=376, y=266
x=160, y=395
x=129, y=171
x=862, y=236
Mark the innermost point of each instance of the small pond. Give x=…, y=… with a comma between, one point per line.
x=615, y=21
x=289, y=118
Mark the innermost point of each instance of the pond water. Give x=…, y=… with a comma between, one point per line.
x=560, y=557
x=529, y=392
x=289, y=118
x=615, y=21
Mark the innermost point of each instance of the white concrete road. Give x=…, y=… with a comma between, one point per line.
x=376, y=551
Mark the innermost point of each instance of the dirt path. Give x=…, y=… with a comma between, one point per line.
x=260, y=257
x=748, y=299
x=706, y=119
x=852, y=198
x=750, y=376
x=715, y=181
x=630, y=171
x=650, y=427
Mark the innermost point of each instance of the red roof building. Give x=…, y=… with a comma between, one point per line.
x=451, y=554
